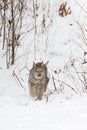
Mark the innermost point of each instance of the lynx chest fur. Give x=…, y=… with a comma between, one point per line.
x=38, y=80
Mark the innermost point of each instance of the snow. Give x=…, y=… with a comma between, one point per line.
x=63, y=109
x=63, y=115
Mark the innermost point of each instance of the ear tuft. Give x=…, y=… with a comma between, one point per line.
x=46, y=62
x=34, y=65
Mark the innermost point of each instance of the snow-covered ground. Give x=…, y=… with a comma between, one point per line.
x=61, y=45
x=57, y=114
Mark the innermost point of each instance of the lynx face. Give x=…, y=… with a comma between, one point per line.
x=38, y=75
x=40, y=70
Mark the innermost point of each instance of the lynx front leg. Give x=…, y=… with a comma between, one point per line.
x=32, y=90
x=39, y=92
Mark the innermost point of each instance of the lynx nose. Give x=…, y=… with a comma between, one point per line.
x=39, y=75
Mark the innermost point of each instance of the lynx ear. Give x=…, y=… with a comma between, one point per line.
x=46, y=62
x=34, y=65
x=42, y=63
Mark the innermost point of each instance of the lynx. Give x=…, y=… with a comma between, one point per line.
x=38, y=80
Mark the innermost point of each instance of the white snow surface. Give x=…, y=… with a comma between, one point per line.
x=61, y=110
x=62, y=115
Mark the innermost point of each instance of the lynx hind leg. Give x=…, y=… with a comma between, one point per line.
x=32, y=90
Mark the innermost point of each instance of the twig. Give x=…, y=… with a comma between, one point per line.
x=81, y=6
x=66, y=85
x=16, y=78
x=22, y=55
x=54, y=83
x=5, y=5
x=24, y=68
